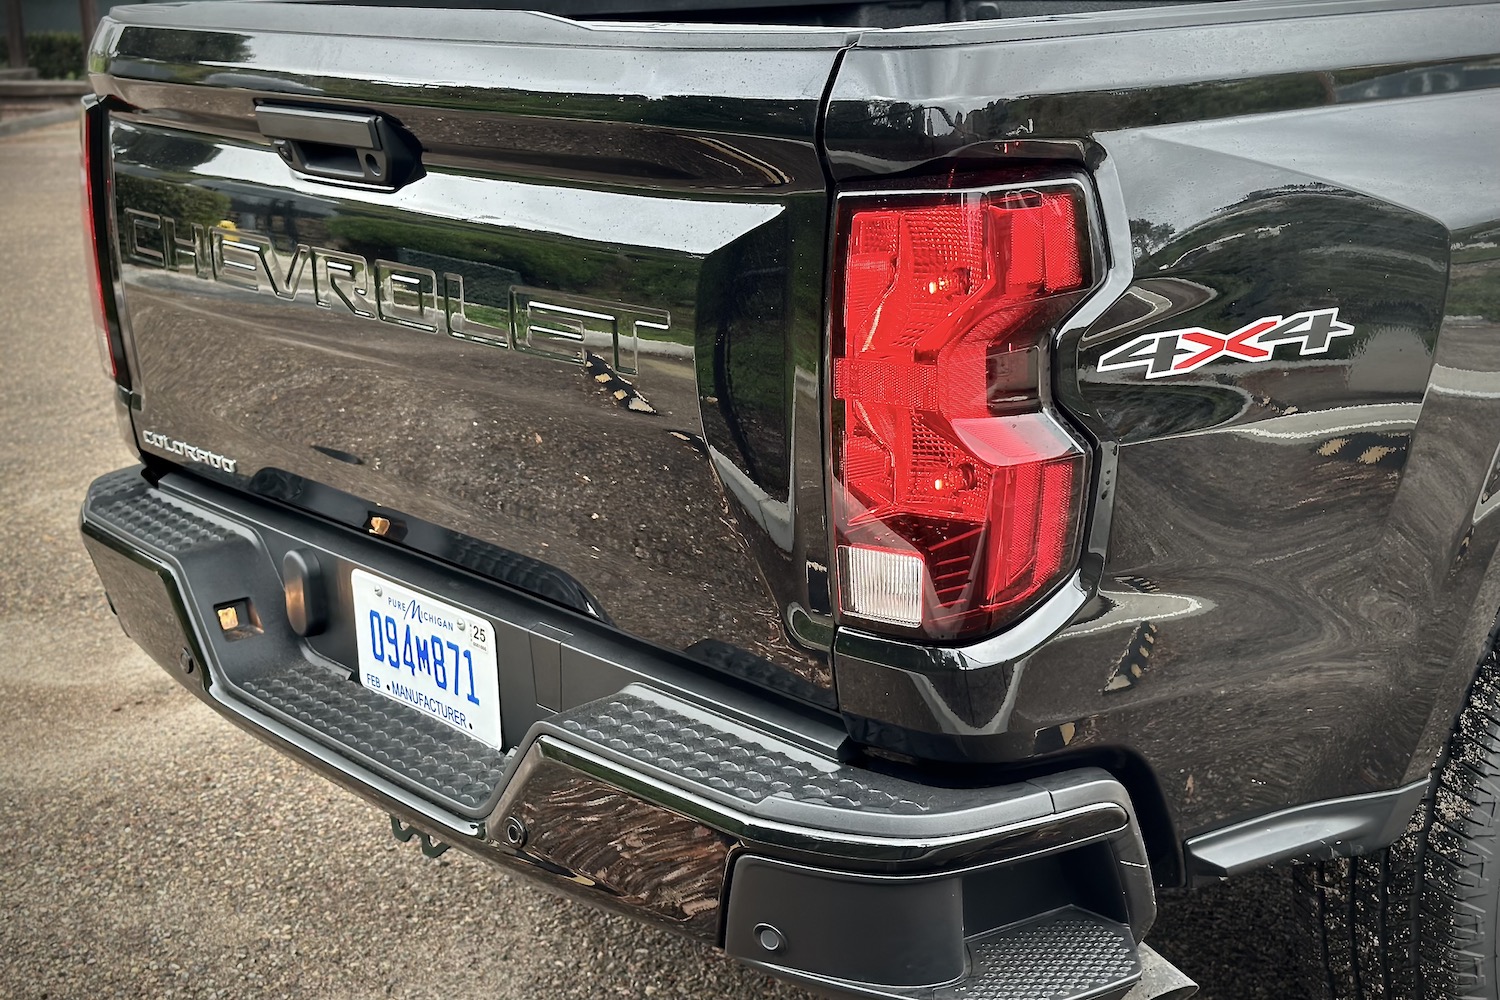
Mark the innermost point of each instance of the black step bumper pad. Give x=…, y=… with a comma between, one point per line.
x=701, y=814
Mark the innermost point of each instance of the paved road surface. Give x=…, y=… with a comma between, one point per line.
x=152, y=850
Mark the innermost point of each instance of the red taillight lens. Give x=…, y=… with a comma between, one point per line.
x=92, y=251
x=957, y=495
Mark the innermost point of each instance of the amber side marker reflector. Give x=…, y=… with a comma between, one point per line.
x=238, y=620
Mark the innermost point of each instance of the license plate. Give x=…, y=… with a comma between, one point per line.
x=429, y=655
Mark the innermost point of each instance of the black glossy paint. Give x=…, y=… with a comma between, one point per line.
x=1290, y=577
x=632, y=178
x=1287, y=571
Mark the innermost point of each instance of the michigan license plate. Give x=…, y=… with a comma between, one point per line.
x=429, y=655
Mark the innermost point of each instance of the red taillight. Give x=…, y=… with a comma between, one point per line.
x=957, y=495
x=92, y=251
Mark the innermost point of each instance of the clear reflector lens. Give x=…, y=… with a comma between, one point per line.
x=882, y=585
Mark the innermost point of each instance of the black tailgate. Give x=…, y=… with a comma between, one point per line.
x=577, y=348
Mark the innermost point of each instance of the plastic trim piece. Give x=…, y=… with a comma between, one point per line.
x=1359, y=824
x=334, y=145
x=1064, y=954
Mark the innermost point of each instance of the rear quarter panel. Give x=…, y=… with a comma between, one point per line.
x=1293, y=556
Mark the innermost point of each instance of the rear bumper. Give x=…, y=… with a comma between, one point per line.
x=637, y=783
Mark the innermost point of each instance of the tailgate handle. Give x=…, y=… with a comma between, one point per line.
x=357, y=147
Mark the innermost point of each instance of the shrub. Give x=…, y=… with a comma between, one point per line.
x=57, y=55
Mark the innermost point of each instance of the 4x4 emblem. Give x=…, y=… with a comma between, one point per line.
x=1177, y=352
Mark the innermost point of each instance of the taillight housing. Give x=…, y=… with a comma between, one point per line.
x=90, y=143
x=957, y=492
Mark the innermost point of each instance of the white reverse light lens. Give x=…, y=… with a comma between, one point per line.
x=882, y=585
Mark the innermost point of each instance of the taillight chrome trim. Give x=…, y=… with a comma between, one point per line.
x=1067, y=584
x=972, y=701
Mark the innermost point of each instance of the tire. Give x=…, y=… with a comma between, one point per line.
x=1418, y=920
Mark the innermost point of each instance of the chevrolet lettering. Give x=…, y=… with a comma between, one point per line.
x=547, y=324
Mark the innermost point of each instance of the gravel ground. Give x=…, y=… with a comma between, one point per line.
x=155, y=851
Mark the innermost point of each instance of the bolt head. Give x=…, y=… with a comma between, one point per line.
x=515, y=832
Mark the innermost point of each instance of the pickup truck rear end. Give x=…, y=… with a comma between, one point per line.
x=879, y=500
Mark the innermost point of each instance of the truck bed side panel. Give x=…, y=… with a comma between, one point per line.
x=1295, y=551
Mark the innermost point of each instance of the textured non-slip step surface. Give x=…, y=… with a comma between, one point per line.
x=1067, y=955
x=125, y=501
x=725, y=761
x=367, y=725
